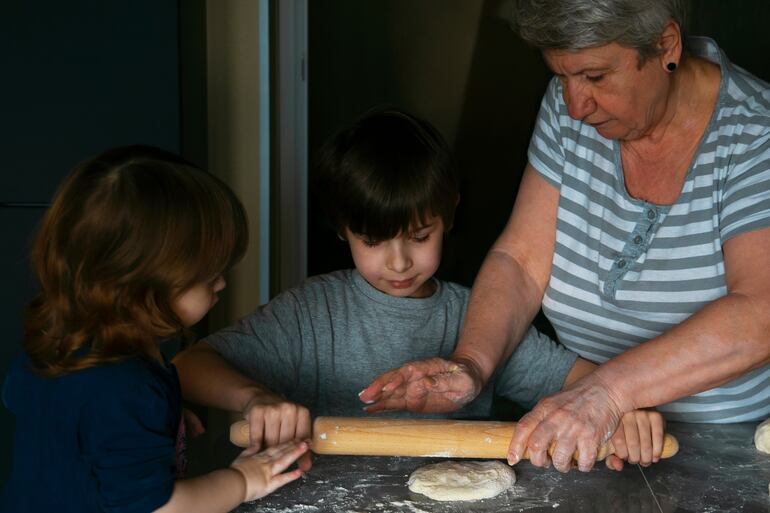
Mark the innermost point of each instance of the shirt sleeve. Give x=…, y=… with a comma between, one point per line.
x=128, y=434
x=266, y=345
x=746, y=197
x=535, y=370
x=545, y=151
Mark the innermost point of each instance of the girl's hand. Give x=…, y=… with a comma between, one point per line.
x=638, y=439
x=274, y=420
x=433, y=385
x=264, y=471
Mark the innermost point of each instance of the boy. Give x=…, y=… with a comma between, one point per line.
x=390, y=188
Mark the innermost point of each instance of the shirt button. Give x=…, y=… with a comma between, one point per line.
x=621, y=264
x=638, y=239
x=651, y=215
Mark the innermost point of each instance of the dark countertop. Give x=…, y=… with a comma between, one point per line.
x=717, y=469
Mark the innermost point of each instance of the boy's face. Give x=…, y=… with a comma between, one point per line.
x=401, y=266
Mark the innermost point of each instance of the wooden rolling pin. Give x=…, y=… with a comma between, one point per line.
x=377, y=436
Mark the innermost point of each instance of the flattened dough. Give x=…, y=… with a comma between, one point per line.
x=762, y=437
x=462, y=480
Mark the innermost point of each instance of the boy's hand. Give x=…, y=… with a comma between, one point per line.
x=274, y=420
x=264, y=471
x=638, y=439
x=433, y=385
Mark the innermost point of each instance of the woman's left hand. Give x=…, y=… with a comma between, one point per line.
x=580, y=418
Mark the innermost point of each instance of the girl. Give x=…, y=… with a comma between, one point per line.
x=131, y=252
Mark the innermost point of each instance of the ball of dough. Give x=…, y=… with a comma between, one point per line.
x=762, y=437
x=462, y=480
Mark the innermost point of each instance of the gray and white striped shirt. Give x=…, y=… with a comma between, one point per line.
x=625, y=270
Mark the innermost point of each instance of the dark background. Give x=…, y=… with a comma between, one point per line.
x=84, y=75
x=399, y=52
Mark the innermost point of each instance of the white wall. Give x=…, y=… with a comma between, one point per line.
x=235, y=153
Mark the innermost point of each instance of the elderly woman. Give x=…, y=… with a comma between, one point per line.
x=640, y=227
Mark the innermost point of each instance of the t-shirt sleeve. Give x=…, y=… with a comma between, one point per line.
x=266, y=345
x=128, y=434
x=545, y=151
x=535, y=370
x=746, y=197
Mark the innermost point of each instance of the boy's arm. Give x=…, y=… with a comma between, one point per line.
x=581, y=368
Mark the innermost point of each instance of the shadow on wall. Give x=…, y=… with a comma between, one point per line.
x=458, y=64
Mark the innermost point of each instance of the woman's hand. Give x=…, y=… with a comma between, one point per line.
x=264, y=471
x=580, y=418
x=638, y=439
x=434, y=385
x=274, y=420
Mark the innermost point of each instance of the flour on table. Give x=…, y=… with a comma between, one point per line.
x=762, y=437
x=462, y=480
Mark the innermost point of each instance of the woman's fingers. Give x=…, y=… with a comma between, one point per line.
x=578, y=418
x=519, y=443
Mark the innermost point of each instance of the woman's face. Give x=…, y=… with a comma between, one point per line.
x=606, y=88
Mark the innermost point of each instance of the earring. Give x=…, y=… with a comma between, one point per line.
x=671, y=66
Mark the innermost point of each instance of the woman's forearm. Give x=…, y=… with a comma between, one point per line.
x=724, y=340
x=502, y=304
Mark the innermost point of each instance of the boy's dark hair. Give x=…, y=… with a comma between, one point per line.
x=387, y=172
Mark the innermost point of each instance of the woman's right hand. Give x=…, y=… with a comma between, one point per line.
x=274, y=420
x=434, y=385
x=263, y=471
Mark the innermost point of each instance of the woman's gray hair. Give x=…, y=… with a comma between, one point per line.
x=578, y=24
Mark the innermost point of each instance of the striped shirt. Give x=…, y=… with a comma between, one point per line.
x=624, y=270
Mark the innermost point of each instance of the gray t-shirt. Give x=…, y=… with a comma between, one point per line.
x=321, y=343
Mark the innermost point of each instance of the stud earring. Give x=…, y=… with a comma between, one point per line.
x=671, y=66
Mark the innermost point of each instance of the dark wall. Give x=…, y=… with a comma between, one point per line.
x=78, y=77
x=358, y=60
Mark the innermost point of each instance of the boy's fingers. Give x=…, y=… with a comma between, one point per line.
x=632, y=437
x=619, y=443
x=658, y=429
x=613, y=462
x=645, y=439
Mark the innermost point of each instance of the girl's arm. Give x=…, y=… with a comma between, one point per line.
x=252, y=476
x=207, y=378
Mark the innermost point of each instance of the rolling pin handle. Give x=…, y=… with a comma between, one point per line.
x=239, y=433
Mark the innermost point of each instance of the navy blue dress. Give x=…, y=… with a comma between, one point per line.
x=101, y=439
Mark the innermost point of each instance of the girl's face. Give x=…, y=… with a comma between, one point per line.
x=192, y=304
x=401, y=266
